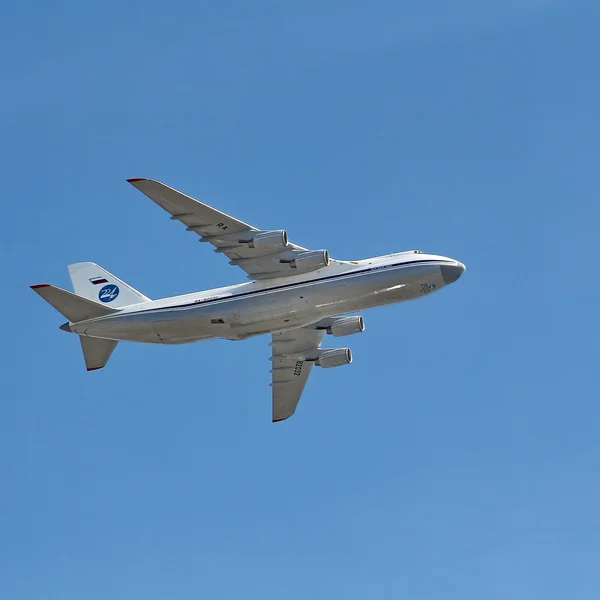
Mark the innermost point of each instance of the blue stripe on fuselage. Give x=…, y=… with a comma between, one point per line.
x=200, y=302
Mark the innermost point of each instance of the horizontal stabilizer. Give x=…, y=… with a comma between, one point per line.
x=96, y=352
x=73, y=307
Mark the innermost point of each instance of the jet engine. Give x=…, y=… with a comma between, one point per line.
x=336, y=357
x=309, y=261
x=265, y=240
x=342, y=326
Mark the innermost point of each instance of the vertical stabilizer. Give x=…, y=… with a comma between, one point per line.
x=95, y=283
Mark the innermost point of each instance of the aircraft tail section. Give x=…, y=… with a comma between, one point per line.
x=96, y=352
x=73, y=307
x=95, y=283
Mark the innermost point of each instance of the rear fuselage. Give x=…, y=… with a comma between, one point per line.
x=256, y=308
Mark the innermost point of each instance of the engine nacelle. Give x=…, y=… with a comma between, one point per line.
x=346, y=326
x=310, y=261
x=336, y=357
x=264, y=240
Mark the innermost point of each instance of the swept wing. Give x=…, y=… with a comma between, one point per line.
x=260, y=253
x=290, y=371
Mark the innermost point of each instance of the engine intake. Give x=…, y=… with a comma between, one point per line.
x=342, y=326
x=336, y=357
x=264, y=240
x=309, y=261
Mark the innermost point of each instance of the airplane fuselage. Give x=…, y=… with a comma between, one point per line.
x=296, y=295
x=240, y=311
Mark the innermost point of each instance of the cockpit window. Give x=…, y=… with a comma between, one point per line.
x=407, y=252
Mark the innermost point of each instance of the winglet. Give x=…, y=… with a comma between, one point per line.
x=39, y=285
x=135, y=179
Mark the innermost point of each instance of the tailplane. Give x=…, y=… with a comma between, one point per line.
x=95, y=283
x=96, y=352
x=73, y=307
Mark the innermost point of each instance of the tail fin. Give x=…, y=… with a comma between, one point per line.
x=95, y=283
x=96, y=352
x=73, y=307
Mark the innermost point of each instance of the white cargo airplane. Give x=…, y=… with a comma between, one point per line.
x=296, y=295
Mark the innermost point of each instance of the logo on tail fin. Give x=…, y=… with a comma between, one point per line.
x=108, y=293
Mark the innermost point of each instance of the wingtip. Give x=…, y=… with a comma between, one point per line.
x=136, y=179
x=95, y=368
x=39, y=285
x=279, y=420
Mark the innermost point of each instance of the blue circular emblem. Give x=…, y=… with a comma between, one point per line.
x=108, y=293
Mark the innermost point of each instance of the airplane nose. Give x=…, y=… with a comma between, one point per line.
x=450, y=273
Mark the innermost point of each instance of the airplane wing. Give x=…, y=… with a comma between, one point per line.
x=262, y=254
x=290, y=373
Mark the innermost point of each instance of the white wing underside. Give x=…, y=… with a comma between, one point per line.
x=228, y=235
x=289, y=371
x=290, y=366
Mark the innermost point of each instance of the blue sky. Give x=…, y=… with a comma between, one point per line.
x=458, y=456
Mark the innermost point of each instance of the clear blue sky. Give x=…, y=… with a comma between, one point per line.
x=458, y=456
